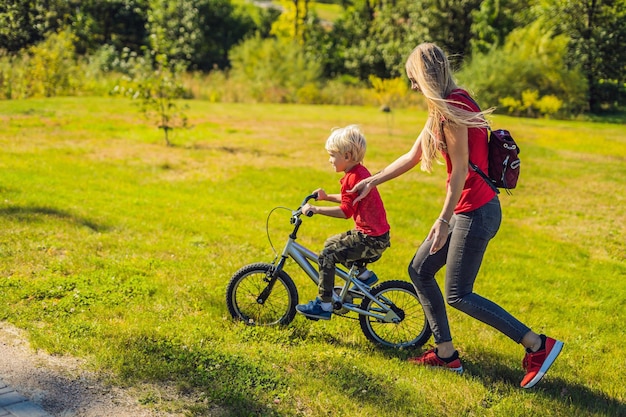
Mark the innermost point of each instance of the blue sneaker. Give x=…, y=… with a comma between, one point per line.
x=313, y=310
x=370, y=280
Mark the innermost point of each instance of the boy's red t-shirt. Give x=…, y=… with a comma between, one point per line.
x=476, y=192
x=369, y=214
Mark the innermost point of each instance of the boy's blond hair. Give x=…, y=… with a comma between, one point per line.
x=347, y=139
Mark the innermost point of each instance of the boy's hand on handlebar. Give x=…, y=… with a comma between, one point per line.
x=309, y=210
x=321, y=194
x=363, y=188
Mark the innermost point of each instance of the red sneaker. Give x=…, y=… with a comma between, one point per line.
x=430, y=358
x=537, y=363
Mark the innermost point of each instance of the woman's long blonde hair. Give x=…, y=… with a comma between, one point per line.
x=429, y=67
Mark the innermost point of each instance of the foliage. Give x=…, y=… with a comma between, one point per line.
x=120, y=24
x=531, y=105
x=448, y=25
x=370, y=38
x=389, y=92
x=47, y=69
x=273, y=69
x=291, y=24
x=597, y=31
x=532, y=59
x=199, y=33
x=495, y=19
x=156, y=84
x=24, y=23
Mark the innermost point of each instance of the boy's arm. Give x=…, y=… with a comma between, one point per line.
x=333, y=198
x=322, y=196
x=326, y=211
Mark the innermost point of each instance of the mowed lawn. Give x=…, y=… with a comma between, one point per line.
x=117, y=249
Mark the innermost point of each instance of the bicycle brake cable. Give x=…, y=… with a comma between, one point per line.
x=267, y=227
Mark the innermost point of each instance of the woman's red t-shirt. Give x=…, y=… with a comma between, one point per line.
x=476, y=192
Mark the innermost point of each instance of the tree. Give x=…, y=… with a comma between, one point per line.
x=119, y=23
x=448, y=23
x=199, y=32
x=25, y=22
x=532, y=59
x=597, y=29
x=376, y=38
x=495, y=19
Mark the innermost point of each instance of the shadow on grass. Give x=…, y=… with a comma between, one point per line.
x=207, y=377
x=492, y=370
x=33, y=214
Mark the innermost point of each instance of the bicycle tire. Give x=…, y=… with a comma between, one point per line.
x=413, y=330
x=244, y=288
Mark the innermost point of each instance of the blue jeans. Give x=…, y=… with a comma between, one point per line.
x=468, y=236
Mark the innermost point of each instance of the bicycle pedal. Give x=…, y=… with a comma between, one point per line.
x=311, y=318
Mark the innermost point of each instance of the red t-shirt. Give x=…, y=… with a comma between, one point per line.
x=369, y=214
x=476, y=192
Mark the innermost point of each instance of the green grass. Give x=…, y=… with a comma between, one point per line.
x=116, y=248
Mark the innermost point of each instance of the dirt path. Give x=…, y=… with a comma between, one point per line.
x=60, y=385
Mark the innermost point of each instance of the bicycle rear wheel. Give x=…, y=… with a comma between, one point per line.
x=411, y=330
x=249, y=298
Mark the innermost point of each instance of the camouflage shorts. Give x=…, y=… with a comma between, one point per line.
x=343, y=249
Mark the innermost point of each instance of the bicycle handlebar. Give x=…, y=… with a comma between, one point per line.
x=298, y=212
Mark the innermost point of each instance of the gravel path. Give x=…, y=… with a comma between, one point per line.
x=61, y=385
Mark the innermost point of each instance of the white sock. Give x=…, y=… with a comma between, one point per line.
x=364, y=275
x=327, y=306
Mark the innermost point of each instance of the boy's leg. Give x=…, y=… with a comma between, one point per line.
x=342, y=249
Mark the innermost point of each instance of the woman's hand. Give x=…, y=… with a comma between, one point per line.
x=363, y=188
x=439, y=235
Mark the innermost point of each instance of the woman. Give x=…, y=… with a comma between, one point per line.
x=469, y=218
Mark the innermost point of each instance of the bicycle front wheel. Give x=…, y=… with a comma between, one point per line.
x=410, y=330
x=251, y=297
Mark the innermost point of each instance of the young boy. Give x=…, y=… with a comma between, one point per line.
x=346, y=147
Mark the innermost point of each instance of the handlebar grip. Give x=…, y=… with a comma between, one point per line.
x=309, y=197
x=309, y=213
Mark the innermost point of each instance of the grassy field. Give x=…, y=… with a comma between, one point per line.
x=117, y=249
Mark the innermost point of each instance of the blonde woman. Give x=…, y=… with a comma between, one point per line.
x=469, y=219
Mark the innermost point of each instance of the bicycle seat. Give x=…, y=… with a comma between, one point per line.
x=362, y=262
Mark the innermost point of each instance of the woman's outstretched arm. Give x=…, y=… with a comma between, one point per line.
x=398, y=167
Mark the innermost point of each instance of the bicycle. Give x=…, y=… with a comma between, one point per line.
x=389, y=313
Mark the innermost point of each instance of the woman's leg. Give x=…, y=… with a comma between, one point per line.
x=467, y=244
x=422, y=270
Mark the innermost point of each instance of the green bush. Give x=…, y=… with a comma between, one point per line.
x=52, y=68
x=47, y=69
x=549, y=105
x=531, y=105
x=273, y=70
x=531, y=59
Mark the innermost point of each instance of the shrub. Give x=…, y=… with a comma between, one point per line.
x=47, y=69
x=273, y=70
x=51, y=67
x=512, y=105
x=549, y=105
x=531, y=59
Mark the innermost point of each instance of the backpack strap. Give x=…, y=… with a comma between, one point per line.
x=473, y=165
x=484, y=176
